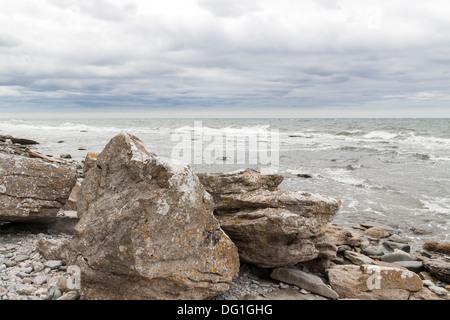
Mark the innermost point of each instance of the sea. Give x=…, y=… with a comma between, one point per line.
x=388, y=172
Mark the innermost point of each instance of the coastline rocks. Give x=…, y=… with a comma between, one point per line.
x=341, y=235
x=373, y=282
x=33, y=189
x=147, y=229
x=89, y=161
x=239, y=181
x=271, y=227
x=376, y=232
x=20, y=141
x=434, y=246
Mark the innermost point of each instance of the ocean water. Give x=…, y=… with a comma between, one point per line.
x=390, y=171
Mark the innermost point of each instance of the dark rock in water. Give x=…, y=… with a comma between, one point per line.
x=81, y=148
x=304, y=175
x=60, y=141
x=20, y=141
x=66, y=156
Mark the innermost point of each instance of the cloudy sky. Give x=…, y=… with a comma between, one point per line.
x=226, y=58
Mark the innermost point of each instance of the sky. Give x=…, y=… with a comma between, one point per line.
x=226, y=58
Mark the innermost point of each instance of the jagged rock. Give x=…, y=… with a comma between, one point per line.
x=89, y=161
x=147, y=229
x=239, y=181
x=71, y=203
x=33, y=190
x=341, y=235
x=373, y=282
x=438, y=268
x=271, y=227
x=52, y=249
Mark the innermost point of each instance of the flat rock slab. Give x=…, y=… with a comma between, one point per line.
x=304, y=280
x=373, y=282
x=33, y=190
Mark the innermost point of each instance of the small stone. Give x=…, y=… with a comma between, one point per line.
x=26, y=290
x=439, y=290
x=397, y=245
x=357, y=258
x=397, y=238
x=9, y=263
x=397, y=256
x=71, y=295
x=53, y=264
x=376, y=232
x=21, y=257
x=428, y=283
x=344, y=248
x=447, y=288
x=40, y=280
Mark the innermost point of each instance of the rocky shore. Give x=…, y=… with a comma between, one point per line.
x=127, y=224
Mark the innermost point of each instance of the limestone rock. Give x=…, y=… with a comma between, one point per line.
x=438, y=268
x=341, y=235
x=239, y=181
x=271, y=227
x=89, y=161
x=71, y=203
x=373, y=282
x=33, y=190
x=147, y=229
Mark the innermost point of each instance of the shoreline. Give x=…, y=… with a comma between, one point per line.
x=29, y=275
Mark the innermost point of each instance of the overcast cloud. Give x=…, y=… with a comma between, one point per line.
x=322, y=57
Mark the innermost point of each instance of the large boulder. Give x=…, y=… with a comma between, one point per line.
x=271, y=227
x=147, y=229
x=33, y=190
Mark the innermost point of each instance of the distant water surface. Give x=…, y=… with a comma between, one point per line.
x=390, y=171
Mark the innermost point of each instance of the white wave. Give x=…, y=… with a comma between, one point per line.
x=343, y=176
x=439, y=205
x=384, y=135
